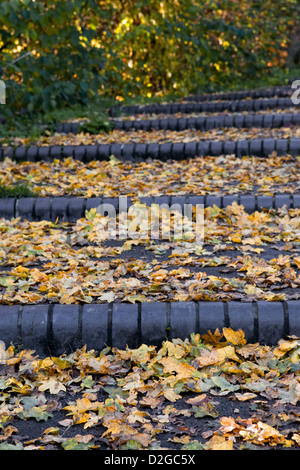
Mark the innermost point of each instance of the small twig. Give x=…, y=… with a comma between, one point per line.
x=19, y=58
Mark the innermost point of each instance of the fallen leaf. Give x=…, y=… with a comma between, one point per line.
x=54, y=386
x=219, y=443
x=237, y=338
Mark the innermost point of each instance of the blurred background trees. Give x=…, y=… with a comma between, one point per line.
x=57, y=53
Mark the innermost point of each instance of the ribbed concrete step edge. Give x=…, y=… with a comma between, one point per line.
x=208, y=106
x=165, y=151
x=202, y=123
x=280, y=91
x=74, y=208
x=57, y=329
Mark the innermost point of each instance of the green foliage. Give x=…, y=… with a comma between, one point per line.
x=181, y=47
x=48, y=57
x=24, y=127
x=63, y=53
x=97, y=123
x=16, y=190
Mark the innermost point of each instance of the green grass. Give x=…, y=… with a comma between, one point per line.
x=34, y=127
x=16, y=190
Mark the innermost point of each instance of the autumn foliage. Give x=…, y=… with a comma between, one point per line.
x=136, y=398
x=58, y=53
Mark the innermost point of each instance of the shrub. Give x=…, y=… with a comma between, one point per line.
x=58, y=53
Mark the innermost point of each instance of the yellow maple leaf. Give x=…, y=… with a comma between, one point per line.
x=185, y=439
x=170, y=394
x=20, y=271
x=137, y=416
x=228, y=352
x=207, y=358
x=297, y=261
x=219, y=443
x=284, y=346
x=237, y=338
x=212, y=338
x=245, y=396
x=38, y=276
x=236, y=238
x=171, y=364
x=82, y=405
x=296, y=438
x=54, y=386
x=252, y=241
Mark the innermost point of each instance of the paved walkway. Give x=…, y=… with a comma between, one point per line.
x=55, y=327
x=54, y=301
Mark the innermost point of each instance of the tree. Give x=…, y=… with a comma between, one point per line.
x=54, y=53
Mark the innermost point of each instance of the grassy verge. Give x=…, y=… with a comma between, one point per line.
x=16, y=190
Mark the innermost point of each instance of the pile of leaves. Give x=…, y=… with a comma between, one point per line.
x=100, y=259
x=230, y=393
x=163, y=136
x=198, y=176
x=138, y=116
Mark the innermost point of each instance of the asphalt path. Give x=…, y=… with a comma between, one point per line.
x=161, y=251
x=30, y=434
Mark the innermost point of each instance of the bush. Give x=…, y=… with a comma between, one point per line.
x=49, y=58
x=58, y=53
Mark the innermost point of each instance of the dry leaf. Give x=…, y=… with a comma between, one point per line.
x=237, y=338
